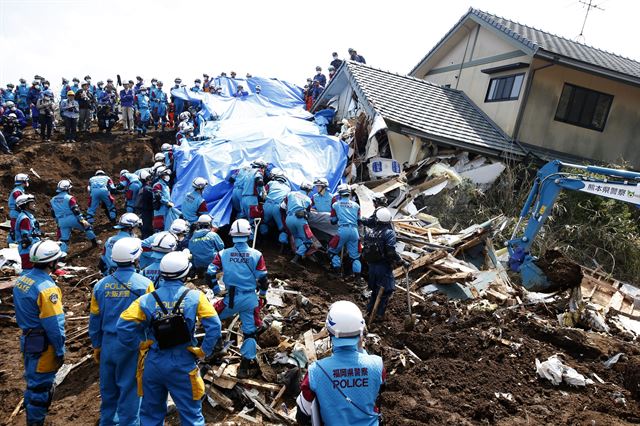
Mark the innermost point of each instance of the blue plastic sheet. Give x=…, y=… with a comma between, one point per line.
x=273, y=126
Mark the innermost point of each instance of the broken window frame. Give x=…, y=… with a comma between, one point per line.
x=501, y=83
x=583, y=107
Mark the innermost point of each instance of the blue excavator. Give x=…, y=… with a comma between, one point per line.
x=551, y=179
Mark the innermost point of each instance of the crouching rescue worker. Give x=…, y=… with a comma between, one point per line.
x=168, y=316
x=342, y=389
x=297, y=205
x=65, y=210
x=204, y=244
x=120, y=403
x=193, y=205
x=101, y=190
x=380, y=253
x=245, y=272
x=126, y=227
x=39, y=313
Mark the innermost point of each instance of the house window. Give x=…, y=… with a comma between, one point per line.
x=583, y=107
x=504, y=88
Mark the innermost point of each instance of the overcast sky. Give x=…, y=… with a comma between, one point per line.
x=284, y=39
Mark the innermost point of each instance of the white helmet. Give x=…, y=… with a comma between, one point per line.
x=185, y=127
x=24, y=199
x=383, y=215
x=277, y=172
x=185, y=115
x=163, y=171
x=158, y=165
x=179, y=227
x=175, y=265
x=345, y=323
x=144, y=174
x=199, y=183
x=344, y=189
x=99, y=173
x=126, y=250
x=21, y=178
x=165, y=147
x=45, y=251
x=158, y=157
x=306, y=186
x=321, y=182
x=259, y=164
x=164, y=242
x=123, y=172
x=240, y=228
x=64, y=185
x=205, y=219
x=128, y=221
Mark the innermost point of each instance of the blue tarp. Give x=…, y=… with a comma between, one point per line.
x=252, y=127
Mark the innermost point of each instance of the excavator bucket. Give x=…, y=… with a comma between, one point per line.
x=533, y=278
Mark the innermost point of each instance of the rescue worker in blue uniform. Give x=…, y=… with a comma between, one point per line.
x=193, y=204
x=126, y=227
x=161, y=199
x=32, y=99
x=119, y=402
x=347, y=384
x=76, y=85
x=101, y=188
x=245, y=272
x=237, y=179
x=130, y=183
x=99, y=92
x=164, y=242
x=8, y=95
x=252, y=190
x=159, y=109
x=346, y=214
x=22, y=93
x=178, y=103
x=178, y=228
x=21, y=183
x=40, y=316
x=167, y=153
x=142, y=107
x=170, y=363
x=277, y=189
x=297, y=205
x=65, y=210
x=379, y=250
x=322, y=199
x=27, y=229
x=204, y=244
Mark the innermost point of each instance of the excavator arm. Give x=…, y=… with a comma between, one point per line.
x=551, y=179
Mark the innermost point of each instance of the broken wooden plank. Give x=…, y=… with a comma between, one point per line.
x=310, y=347
x=458, y=277
x=220, y=398
x=8, y=284
x=224, y=382
x=255, y=384
x=414, y=294
x=420, y=262
x=278, y=396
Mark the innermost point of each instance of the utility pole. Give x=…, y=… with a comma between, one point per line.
x=590, y=6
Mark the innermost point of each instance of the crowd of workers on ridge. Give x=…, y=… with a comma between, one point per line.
x=137, y=106
x=141, y=309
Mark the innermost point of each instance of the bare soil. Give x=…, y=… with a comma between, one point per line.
x=470, y=366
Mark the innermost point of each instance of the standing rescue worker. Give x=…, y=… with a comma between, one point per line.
x=252, y=189
x=237, y=180
x=204, y=244
x=347, y=384
x=65, y=210
x=193, y=204
x=101, y=190
x=144, y=203
x=161, y=199
x=297, y=205
x=40, y=316
x=126, y=227
x=245, y=272
x=142, y=107
x=130, y=183
x=277, y=190
x=380, y=253
x=178, y=103
x=322, y=199
x=27, y=229
x=346, y=214
x=168, y=316
x=159, y=112
x=20, y=185
x=120, y=403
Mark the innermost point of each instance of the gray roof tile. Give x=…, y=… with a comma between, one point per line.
x=535, y=38
x=442, y=113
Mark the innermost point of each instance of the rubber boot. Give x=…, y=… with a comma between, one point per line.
x=248, y=368
x=94, y=243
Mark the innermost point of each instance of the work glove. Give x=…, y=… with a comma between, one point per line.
x=85, y=224
x=96, y=355
x=196, y=351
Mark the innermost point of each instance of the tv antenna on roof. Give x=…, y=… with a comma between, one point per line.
x=589, y=6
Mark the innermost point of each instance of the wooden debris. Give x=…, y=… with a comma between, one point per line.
x=278, y=396
x=458, y=277
x=421, y=262
x=310, y=347
x=222, y=400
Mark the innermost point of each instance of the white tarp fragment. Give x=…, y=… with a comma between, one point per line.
x=372, y=144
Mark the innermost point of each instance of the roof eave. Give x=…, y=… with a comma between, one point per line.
x=583, y=66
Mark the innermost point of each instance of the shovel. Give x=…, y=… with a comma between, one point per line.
x=409, y=320
x=255, y=230
x=375, y=306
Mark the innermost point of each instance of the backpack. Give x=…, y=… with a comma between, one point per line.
x=170, y=329
x=373, y=246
